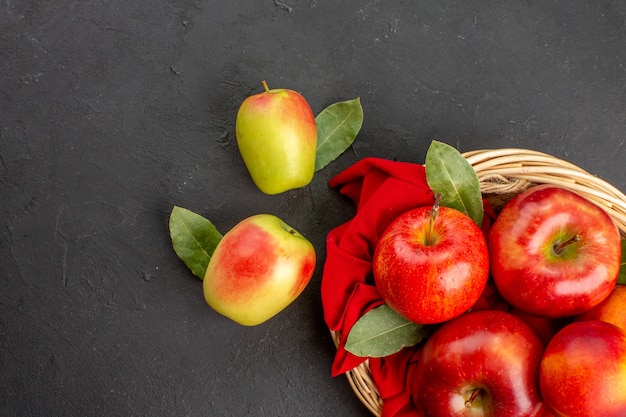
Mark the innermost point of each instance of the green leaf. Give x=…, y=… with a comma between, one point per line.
x=337, y=127
x=621, y=279
x=194, y=239
x=382, y=332
x=449, y=173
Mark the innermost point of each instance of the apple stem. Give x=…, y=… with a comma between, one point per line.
x=475, y=393
x=267, y=89
x=430, y=240
x=561, y=246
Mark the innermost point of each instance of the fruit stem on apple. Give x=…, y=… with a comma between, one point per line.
x=475, y=393
x=267, y=89
x=430, y=239
x=558, y=248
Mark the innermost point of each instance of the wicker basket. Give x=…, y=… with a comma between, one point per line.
x=504, y=173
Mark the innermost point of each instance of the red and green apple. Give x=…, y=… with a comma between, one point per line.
x=277, y=138
x=258, y=268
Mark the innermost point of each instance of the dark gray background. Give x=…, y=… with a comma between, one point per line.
x=112, y=112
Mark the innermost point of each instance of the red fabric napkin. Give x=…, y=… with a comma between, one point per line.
x=382, y=190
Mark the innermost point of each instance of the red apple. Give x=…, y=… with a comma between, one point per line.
x=431, y=264
x=544, y=327
x=490, y=299
x=482, y=363
x=258, y=268
x=583, y=371
x=549, y=413
x=554, y=253
x=277, y=138
x=612, y=309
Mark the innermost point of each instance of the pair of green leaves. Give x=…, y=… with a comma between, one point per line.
x=194, y=237
x=381, y=331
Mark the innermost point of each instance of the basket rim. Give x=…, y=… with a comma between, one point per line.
x=508, y=171
x=528, y=167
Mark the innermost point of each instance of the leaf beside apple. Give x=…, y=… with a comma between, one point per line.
x=621, y=279
x=337, y=128
x=382, y=332
x=449, y=173
x=194, y=239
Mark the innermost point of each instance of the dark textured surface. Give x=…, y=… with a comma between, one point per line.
x=111, y=112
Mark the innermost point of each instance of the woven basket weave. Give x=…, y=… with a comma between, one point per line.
x=504, y=173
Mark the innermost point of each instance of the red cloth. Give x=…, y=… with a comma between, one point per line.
x=382, y=190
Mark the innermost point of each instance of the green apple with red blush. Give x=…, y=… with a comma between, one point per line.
x=554, y=253
x=258, y=268
x=277, y=139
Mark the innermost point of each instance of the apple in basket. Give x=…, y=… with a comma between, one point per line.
x=611, y=310
x=482, y=363
x=553, y=253
x=583, y=371
x=431, y=264
x=544, y=327
x=258, y=268
x=548, y=413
